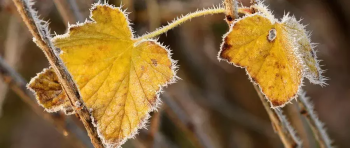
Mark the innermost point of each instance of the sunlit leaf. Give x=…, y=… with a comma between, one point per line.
x=276, y=55
x=119, y=77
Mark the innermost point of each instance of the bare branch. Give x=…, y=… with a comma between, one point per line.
x=154, y=127
x=317, y=127
x=41, y=35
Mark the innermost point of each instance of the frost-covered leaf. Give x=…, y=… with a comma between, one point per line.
x=49, y=92
x=276, y=54
x=300, y=36
x=119, y=77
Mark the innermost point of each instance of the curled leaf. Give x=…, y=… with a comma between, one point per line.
x=49, y=92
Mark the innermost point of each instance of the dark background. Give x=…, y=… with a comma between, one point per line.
x=217, y=97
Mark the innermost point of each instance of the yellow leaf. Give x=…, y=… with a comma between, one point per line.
x=49, y=93
x=118, y=76
x=275, y=54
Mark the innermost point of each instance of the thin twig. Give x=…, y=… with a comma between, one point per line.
x=41, y=35
x=279, y=126
x=187, y=125
x=18, y=85
x=63, y=8
x=317, y=127
x=153, y=14
x=231, y=11
x=288, y=127
x=14, y=46
x=76, y=11
x=154, y=127
x=69, y=11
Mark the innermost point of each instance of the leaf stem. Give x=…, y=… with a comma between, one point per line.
x=187, y=17
x=317, y=127
x=41, y=34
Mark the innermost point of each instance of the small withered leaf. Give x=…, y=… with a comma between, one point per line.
x=49, y=93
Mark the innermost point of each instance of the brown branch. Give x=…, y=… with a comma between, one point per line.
x=18, y=85
x=154, y=127
x=280, y=127
x=42, y=39
x=231, y=11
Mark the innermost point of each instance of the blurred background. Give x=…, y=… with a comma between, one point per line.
x=214, y=104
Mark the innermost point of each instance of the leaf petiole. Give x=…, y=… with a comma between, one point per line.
x=187, y=17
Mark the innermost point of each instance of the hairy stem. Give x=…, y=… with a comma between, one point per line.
x=279, y=123
x=317, y=127
x=41, y=35
x=185, y=18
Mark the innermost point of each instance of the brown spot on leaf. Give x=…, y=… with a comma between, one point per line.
x=71, y=29
x=276, y=102
x=223, y=50
x=154, y=62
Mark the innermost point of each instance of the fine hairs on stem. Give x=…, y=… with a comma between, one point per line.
x=317, y=127
x=187, y=17
x=41, y=34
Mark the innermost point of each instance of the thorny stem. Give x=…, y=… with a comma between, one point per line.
x=42, y=39
x=280, y=127
x=18, y=85
x=307, y=110
x=185, y=18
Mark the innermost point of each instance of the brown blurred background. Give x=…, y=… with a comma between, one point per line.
x=213, y=100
